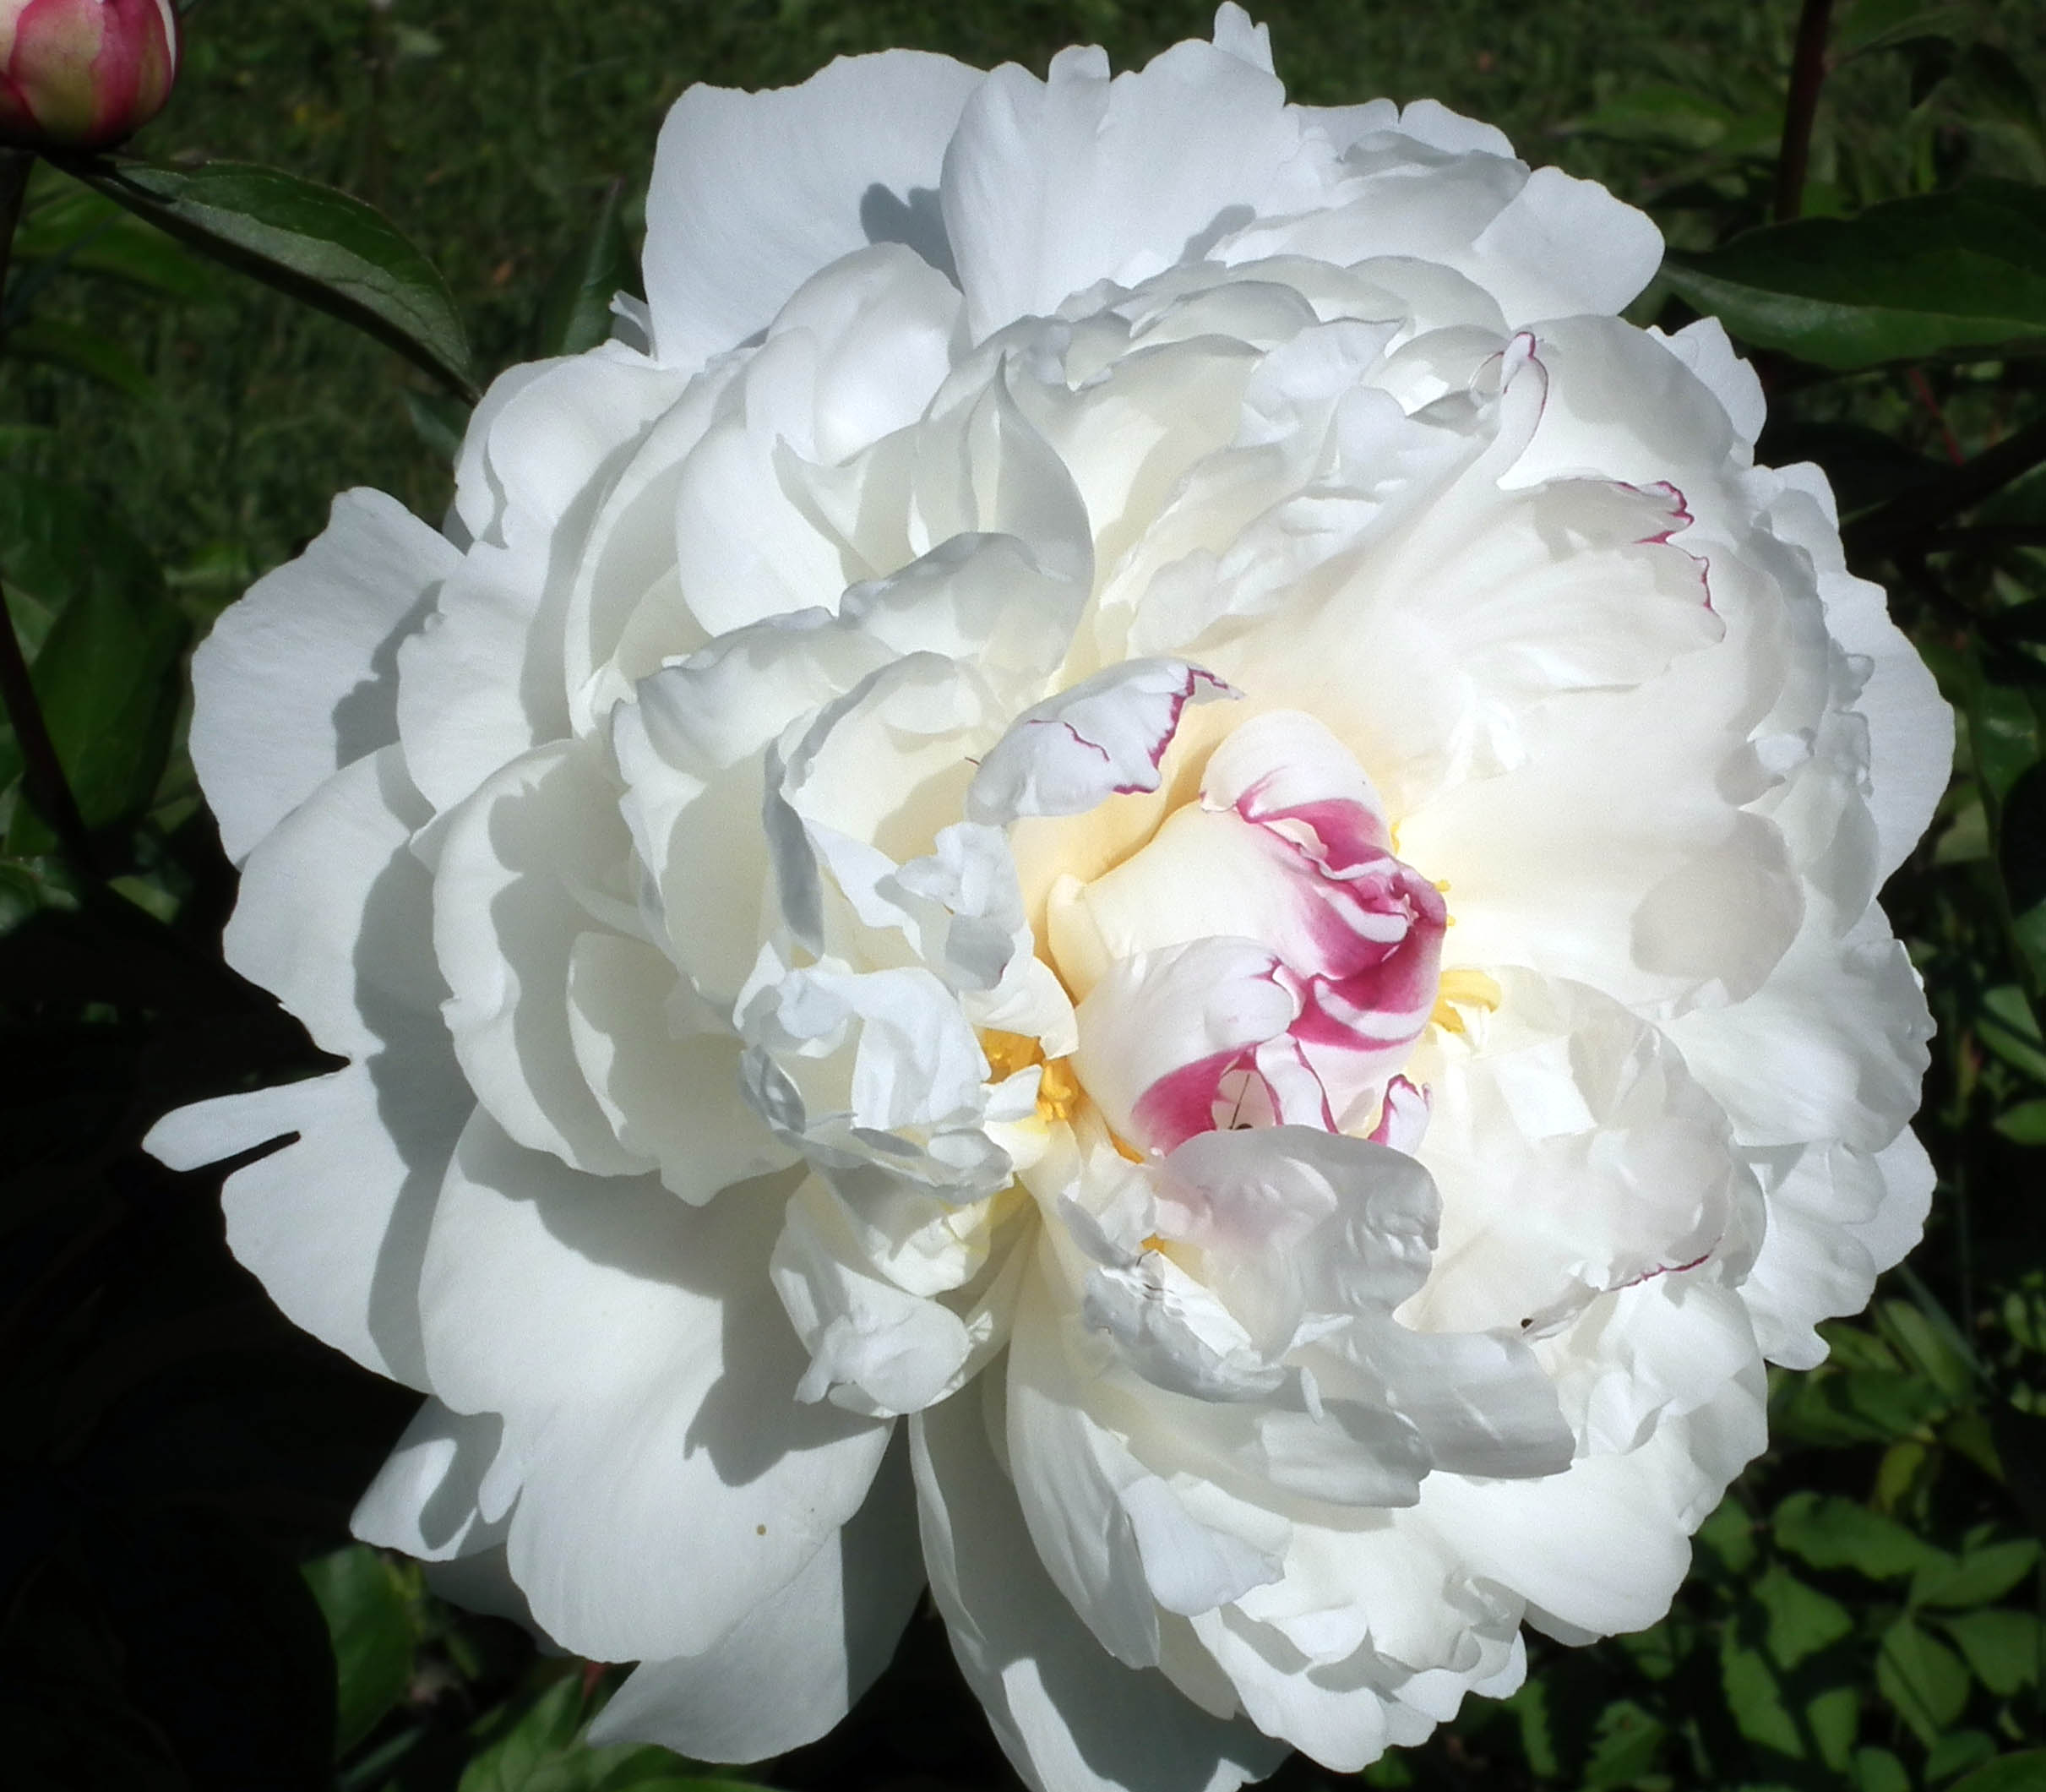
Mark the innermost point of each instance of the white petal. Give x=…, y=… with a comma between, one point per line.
x=516, y=862
x=1832, y=1046
x=487, y=680
x=753, y=192
x=1562, y=246
x=1051, y=186
x=1103, y=737
x=795, y=1665
x=300, y=678
x=1704, y=347
x=671, y=1480
x=1911, y=729
x=427, y=1500
x=1158, y=1013
x=334, y=1224
x=1068, y=1716
x=340, y=869
x=1575, y=1152
x=874, y=1348
x=670, y=1092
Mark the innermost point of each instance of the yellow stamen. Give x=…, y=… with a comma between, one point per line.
x=1464, y=989
x=1058, y=1088
x=1057, y=1091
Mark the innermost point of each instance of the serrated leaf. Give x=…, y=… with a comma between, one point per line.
x=1924, y=1682
x=322, y=247
x=2020, y=1772
x=575, y=310
x=369, y=1622
x=1979, y=1578
x=1828, y=1532
x=1953, y=273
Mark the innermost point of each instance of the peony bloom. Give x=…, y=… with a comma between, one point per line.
x=1129, y=845
x=84, y=75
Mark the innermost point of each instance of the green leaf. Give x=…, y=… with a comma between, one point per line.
x=1857, y=1406
x=1956, y=272
x=68, y=225
x=1874, y=25
x=1930, y=1347
x=1679, y=119
x=1955, y=1753
x=1784, y=1625
x=369, y=1622
x=106, y=673
x=2022, y=1773
x=1828, y=1532
x=541, y=1752
x=1727, y=1538
x=2024, y=1124
x=439, y=420
x=1878, y=1770
x=575, y=310
x=1624, y=1745
x=2005, y=1027
x=1922, y=1680
x=320, y=246
x=2000, y=1647
x=56, y=344
x=1980, y=1578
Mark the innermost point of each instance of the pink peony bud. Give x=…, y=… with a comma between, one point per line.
x=84, y=75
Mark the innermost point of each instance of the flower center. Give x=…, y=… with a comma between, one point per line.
x=1263, y=960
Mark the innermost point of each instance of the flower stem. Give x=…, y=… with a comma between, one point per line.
x=1801, y=107
x=43, y=773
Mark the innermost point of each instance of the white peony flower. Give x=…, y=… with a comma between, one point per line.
x=1129, y=782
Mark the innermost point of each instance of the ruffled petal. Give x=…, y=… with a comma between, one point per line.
x=648, y=1397
x=1066, y=1713
x=1051, y=186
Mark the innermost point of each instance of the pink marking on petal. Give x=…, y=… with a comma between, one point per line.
x=1195, y=679
x=1403, y=1117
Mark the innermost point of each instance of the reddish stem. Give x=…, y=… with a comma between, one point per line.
x=1922, y=389
x=1801, y=107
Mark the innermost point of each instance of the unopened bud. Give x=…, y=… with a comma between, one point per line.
x=84, y=75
